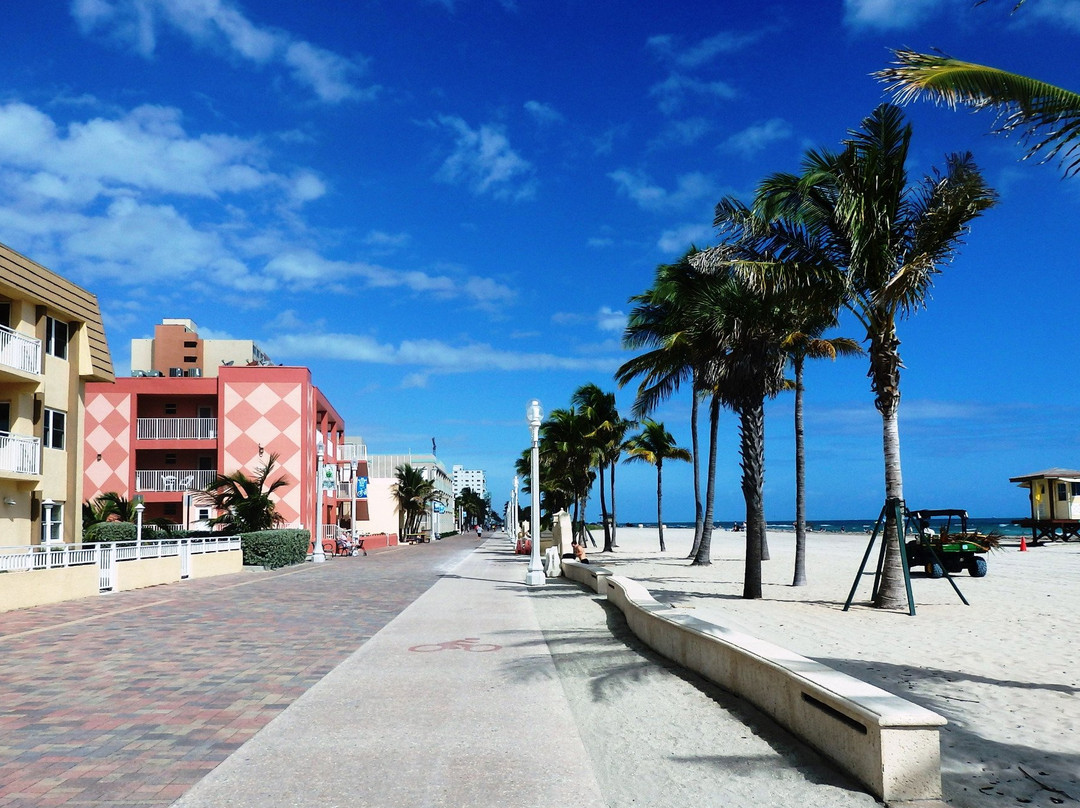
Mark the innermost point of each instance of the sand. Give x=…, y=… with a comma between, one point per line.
x=1004, y=671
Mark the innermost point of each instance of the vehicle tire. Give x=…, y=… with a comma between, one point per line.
x=935, y=570
x=977, y=567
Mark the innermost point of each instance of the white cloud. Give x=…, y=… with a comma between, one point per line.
x=222, y=25
x=1060, y=12
x=433, y=355
x=484, y=161
x=750, y=141
x=689, y=188
x=672, y=92
x=888, y=14
x=679, y=239
x=543, y=113
x=607, y=319
x=703, y=51
x=386, y=241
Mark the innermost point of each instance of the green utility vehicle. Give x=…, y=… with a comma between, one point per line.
x=942, y=542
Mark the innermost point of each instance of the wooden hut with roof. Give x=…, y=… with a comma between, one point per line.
x=1055, y=504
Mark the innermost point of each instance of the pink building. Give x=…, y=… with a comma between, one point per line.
x=163, y=437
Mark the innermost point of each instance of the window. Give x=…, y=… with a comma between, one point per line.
x=5, y=416
x=191, y=359
x=54, y=531
x=204, y=514
x=54, y=428
x=205, y=412
x=1061, y=491
x=170, y=409
x=56, y=338
x=5, y=313
x=190, y=344
x=1074, y=488
x=170, y=509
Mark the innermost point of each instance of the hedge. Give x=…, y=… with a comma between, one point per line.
x=275, y=548
x=112, y=531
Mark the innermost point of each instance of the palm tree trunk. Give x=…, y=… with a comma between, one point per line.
x=603, y=509
x=800, y=479
x=885, y=382
x=704, y=548
x=660, y=501
x=752, y=449
x=614, y=520
x=699, y=514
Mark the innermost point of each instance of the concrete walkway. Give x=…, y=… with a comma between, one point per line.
x=419, y=676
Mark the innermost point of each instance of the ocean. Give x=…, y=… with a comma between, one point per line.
x=1001, y=525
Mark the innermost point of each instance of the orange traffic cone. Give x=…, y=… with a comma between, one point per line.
x=1023, y=544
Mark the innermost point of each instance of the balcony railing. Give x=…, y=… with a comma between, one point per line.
x=173, y=479
x=19, y=351
x=20, y=454
x=352, y=451
x=177, y=429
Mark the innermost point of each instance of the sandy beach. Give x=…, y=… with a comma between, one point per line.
x=1004, y=671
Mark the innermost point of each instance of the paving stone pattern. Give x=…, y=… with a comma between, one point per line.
x=131, y=698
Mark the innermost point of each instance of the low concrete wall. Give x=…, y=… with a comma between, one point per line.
x=207, y=565
x=146, y=572
x=587, y=574
x=885, y=742
x=21, y=590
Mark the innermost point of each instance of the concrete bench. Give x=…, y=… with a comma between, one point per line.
x=588, y=575
x=887, y=743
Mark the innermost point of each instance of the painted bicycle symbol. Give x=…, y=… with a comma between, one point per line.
x=467, y=644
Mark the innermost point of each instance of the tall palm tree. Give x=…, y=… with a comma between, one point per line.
x=413, y=494
x=1046, y=116
x=244, y=503
x=653, y=445
x=852, y=216
x=658, y=322
x=567, y=458
x=598, y=409
x=799, y=347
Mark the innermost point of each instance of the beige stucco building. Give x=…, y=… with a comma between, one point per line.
x=52, y=342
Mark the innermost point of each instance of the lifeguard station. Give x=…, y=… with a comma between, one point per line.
x=1055, y=504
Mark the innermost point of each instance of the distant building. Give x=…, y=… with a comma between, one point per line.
x=177, y=350
x=382, y=504
x=52, y=343
x=469, y=478
x=164, y=438
x=1054, y=496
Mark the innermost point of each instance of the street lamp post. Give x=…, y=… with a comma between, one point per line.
x=317, y=554
x=514, y=513
x=138, y=529
x=354, y=464
x=434, y=477
x=535, y=575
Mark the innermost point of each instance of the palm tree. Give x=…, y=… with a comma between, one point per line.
x=1047, y=117
x=244, y=503
x=799, y=347
x=852, y=218
x=413, y=494
x=657, y=322
x=107, y=504
x=567, y=457
x=653, y=445
x=598, y=409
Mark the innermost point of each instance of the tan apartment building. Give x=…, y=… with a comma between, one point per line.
x=177, y=350
x=52, y=342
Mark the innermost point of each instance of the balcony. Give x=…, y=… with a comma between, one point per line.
x=177, y=429
x=352, y=451
x=150, y=481
x=19, y=352
x=19, y=454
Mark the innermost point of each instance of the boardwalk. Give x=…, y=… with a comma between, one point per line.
x=131, y=698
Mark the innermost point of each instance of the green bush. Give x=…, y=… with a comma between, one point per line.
x=112, y=531
x=275, y=548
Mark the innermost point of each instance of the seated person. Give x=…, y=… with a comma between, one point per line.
x=579, y=553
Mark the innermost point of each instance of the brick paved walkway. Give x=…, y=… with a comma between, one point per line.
x=131, y=698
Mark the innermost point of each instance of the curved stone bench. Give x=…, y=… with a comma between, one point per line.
x=887, y=743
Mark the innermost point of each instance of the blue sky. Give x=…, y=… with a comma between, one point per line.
x=442, y=207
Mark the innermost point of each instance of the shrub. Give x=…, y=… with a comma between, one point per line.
x=112, y=531
x=275, y=548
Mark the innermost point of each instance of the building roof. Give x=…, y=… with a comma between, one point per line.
x=1070, y=475
x=28, y=280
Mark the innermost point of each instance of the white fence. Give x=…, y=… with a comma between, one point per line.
x=44, y=557
x=20, y=454
x=19, y=351
x=176, y=428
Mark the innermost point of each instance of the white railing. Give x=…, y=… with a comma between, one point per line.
x=20, y=454
x=176, y=428
x=352, y=451
x=19, y=351
x=43, y=557
x=173, y=479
